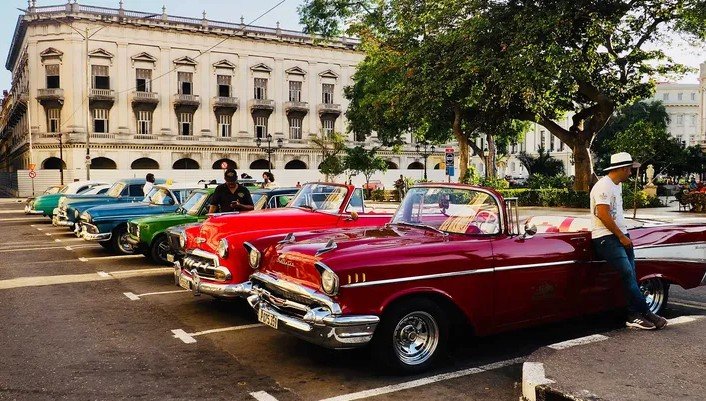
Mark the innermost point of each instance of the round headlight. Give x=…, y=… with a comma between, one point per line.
x=329, y=282
x=254, y=258
x=223, y=248
x=76, y=214
x=85, y=216
x=182, y=239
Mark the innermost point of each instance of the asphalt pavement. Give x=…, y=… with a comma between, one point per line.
x=78, y=323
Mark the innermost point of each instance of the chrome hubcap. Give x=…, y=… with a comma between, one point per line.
x=124, y=245
x=415, y=338
x=162, y=249
x=653, y=290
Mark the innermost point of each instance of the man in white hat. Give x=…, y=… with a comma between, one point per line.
x=611, y=240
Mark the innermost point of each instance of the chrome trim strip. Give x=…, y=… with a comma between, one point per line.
x=530, y=266
x=673, y=260
x=670, y=245
x=415, y=278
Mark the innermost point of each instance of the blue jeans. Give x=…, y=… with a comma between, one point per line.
x=622, y=259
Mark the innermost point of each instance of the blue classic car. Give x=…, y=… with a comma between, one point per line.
x=122, y=191
x=107, y=224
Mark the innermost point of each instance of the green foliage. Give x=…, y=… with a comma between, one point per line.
x=378, y=195
x=366, y=162
x=630, y=196
x=539, y=181
x=332, y=166
x=549, y=197
x=542, y=164
x=471, y=176
x=330, y=145
x=495, y=183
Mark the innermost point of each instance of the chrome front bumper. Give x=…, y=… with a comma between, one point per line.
x=317, y=325
x=191, y=281
x=29, y=210
x=93, y=237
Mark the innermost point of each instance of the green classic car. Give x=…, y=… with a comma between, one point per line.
x=149, y=233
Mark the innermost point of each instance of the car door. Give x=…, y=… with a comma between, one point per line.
x=538, y=278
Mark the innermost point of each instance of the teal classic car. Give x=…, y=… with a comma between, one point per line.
x=150, y=233
x=45, y=203
x=107, y=224
x=123, y=191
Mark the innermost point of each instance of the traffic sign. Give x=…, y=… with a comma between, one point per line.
x=224, y=165
x=88, y=157
x=449, y=162
x=32, y=173
x=450, y=171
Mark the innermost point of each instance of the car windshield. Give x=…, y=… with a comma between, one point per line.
x=323, y=197
x=116, y=189
x=160, y=196
x=56, y=190
x=193, y=203
x=259, y=200
x=451, y=210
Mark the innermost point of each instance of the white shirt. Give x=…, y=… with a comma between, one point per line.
x=606, y=192
x=147, y=187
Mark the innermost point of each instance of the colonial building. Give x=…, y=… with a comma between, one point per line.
x=684, y=103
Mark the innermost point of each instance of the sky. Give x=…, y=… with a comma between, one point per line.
x=232, y=10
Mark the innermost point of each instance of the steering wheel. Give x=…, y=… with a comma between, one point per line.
x=484, y=217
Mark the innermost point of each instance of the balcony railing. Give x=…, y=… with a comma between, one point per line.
x=261, y=104
x=226, y=139
x=186, y=138
x=296, y=106
x=226, y=101
x=329, y=108
x=145, y=137
x=50, y=93
x=99, y=94
x=100, y=135
x=145, y=97
x=187, y=100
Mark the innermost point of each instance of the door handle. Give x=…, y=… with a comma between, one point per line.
x=578, y=239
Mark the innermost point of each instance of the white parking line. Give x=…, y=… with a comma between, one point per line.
x=689, y=304
x=136, y=297
x=262, y=396
x=578, y=341
x=38, y=281
x=188, y=338
x=112, y=257
x=424, y=381
x=23, y=219
x=682, y=319
x=32, y=249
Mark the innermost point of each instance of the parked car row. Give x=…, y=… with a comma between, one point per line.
x=330, y=270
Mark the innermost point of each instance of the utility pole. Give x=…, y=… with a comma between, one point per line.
x=88, y=109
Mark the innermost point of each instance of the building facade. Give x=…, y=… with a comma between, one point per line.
x=684, y=104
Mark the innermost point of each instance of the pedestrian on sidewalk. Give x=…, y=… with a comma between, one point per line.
x=611, y=240
x=149, y=183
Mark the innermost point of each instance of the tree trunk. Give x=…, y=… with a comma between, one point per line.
x=490, y=168
x=583, y=165
x=462, y=144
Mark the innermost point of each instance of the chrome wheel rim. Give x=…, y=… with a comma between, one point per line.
x=654, y=292
x=415, y=338
x=162, y=249
x=124, y=245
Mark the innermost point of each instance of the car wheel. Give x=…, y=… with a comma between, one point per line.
x=656, y=292
x=411, y=336
x=119, y=243
x=159, y=249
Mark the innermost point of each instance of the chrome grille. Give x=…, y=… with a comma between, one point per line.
x=279, y=293
x=205, y=267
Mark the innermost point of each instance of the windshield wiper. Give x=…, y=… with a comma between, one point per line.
x=307, y=207
x=404, y=223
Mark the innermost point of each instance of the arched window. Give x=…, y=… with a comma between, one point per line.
x=416, y=166
x=217, y=165
x=260, y=164
x=513, y=167
x=53, y=163
x=185, y=164
x=295, y=165
x=144, y=163
x=391, y=165
x=437, y=166
x=103, y=163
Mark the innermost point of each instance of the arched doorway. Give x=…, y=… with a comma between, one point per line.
x=185, y=164
x=53, y=163
x=230, y=164
x=391, y=165
x=260, y=164
x=144, y=163
x=416, y=166
x=103, y=163
x=295, y=165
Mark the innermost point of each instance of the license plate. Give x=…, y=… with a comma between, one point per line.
x=183, y=283
x=170, y=258
x=267, y=318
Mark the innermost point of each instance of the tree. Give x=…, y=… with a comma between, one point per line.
x=330, y=145
x=366, y=162
x=542, y=164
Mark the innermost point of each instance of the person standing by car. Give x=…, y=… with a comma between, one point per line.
x=268, y=180
x=231, y=196
x=149, y=183
x=612, y=243
x=401, y=187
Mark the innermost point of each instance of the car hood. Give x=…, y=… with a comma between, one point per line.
x=127, y=210
x=48, y=198
x=219, y=226
x=170, y=219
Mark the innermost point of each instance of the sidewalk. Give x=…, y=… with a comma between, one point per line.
x=624, y=365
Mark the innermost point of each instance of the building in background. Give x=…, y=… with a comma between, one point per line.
x=683, y=103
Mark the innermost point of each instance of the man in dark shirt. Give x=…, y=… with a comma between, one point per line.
x=231, y=196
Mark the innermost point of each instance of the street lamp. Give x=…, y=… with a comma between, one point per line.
x=425, y=153
x=269, y=150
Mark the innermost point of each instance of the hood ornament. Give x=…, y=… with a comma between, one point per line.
x=330, y=246
x=289, y=239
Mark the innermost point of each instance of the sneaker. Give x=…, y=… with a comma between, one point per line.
x=639, y=321
x=657, y=320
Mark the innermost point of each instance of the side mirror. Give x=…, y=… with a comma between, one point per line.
x=530, y=231
x=353, y=217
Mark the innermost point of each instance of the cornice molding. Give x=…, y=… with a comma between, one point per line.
x=261, y=67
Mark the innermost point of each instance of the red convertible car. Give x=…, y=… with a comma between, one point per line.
x=216, y=262
x=452, y=254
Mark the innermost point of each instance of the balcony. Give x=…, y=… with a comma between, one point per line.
x=102, y=94
x=267, y=105
x=329, y=108
x=227, y=102
x=145, y=97
x=296, y=107
x=186, y=100
x=50, y=95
